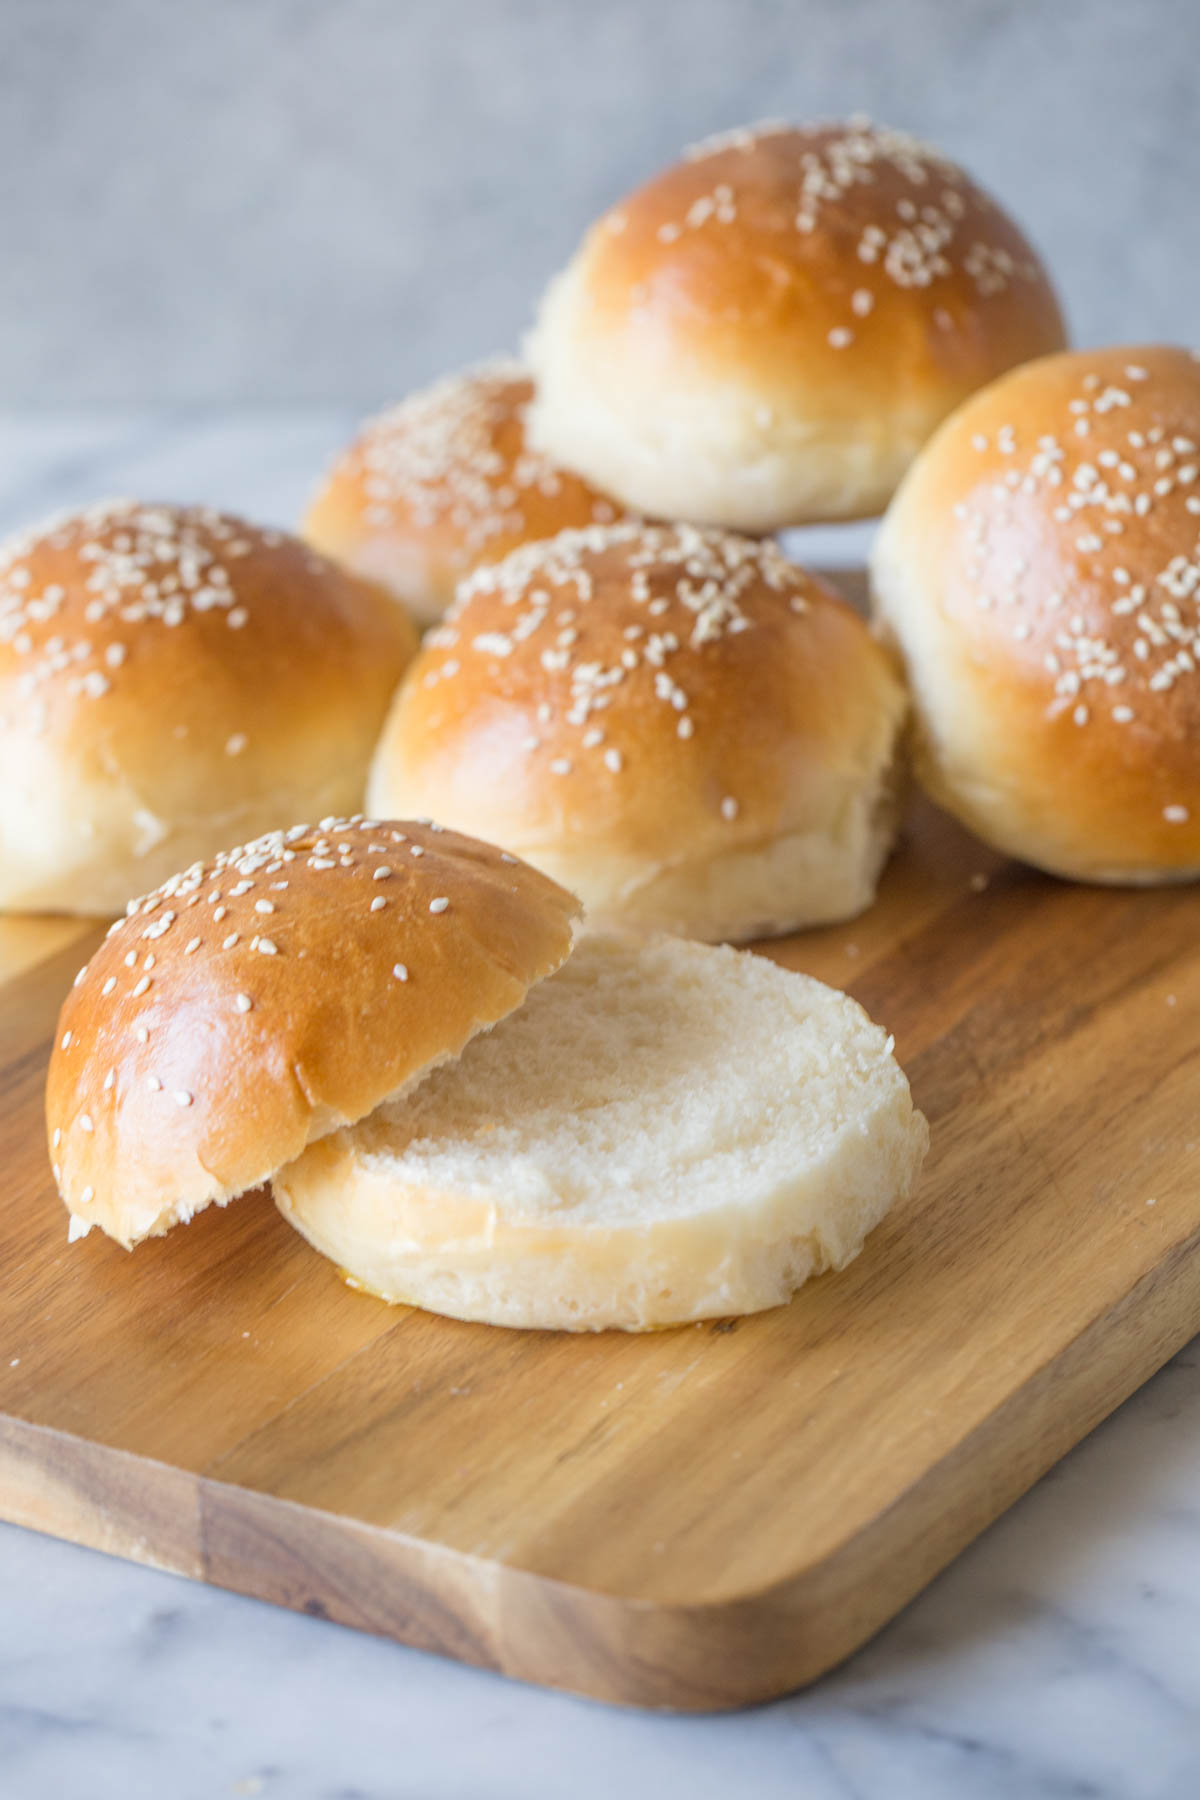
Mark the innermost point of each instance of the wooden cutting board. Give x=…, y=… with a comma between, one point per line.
x=696, y=1518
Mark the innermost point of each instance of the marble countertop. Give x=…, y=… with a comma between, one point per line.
x=1060, y=1656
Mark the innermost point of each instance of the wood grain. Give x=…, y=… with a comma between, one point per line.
x=697, y=1518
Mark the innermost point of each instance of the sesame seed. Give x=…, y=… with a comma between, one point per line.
x=506, y=858
x=416, y=850
x=231, y=940
x=561, y=765
x=109, y=985
x=85, y=1122
x=182, y=1097
x=140, y=986
x=264, y=906
x=266, y=948
x=439, y=905
x=840, y=337
x=381, y=872
x=378, y=904
x=243, y=1002
x=400, y=971
x=142, y=1034
x=613, y=761
x=87, y=1196
x=192, y=945
x=1176, y=815
x=235, y=744
x=154, y=1084
x=729, y=807
x=66, y=1040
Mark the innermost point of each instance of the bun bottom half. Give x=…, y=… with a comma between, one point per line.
x=664, y=1132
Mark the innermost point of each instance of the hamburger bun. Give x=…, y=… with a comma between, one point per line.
x=766, y=333
x=442, y=482
x=1039, y=572
x=680, y=726
x=172, y=678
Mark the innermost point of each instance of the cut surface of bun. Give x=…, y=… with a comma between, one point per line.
x=663, y=1132
x=764, y=334
x=682, y=727
x=442, y=482
x=255, y=1002
x=173, y=679
x=1039, y=572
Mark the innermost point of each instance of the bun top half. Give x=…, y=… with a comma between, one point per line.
x=256, y=1002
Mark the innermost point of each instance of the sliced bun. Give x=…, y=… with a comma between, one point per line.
x=442, y=482
x=662, y=1132
x=257, y=1002
x=766, y=333
x=682, y=727
x=1039, y=572
x=172, y=678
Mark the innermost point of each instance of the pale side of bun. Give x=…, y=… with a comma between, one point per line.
x=765, y=334
x=685, y=729
x=662, y=1132
x=1040, y=573
x=444, y=481
x=254, y=1003
x=173, y=679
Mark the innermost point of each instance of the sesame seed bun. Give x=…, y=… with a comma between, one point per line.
x=254, y=1003
x=172, y=678
x=765, y=334
x=682, y=727
x=442, y=482
x=1039, y=571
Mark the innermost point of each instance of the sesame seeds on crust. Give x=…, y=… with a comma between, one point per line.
x=228, y=898
x=133, y=568
x=607, y=621
x=1079, y=538
x=911, y=217
x=454, y=459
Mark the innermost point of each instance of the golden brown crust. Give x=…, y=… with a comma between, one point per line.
x=442, y=482
x=1040, y=571
x=635, y=697
x=256, y=1002
x=164, y=671
x=847, y=285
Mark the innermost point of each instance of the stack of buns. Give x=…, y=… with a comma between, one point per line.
x=475, y=1058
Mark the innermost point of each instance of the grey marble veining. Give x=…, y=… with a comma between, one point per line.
x=1059, y=1657
x=290, y=200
